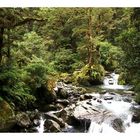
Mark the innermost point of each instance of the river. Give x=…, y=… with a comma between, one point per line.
x=120, y=106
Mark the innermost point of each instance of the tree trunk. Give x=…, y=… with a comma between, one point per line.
x=90, y=35
x=8, y=47
x=1, y=42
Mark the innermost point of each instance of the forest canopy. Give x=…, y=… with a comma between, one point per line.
x=41, y=44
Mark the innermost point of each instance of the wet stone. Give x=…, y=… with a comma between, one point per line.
x=108, y=98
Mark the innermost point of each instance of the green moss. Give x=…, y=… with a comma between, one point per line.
x=6, y=116
x=51, y=85
x=98, y=72
x=89, y=75
x=82, y=77
x=66, y=78
x=6, y=111
x=121, y=80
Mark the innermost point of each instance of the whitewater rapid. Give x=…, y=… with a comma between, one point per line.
x=119, y=108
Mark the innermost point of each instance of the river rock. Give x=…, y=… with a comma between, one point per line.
x=136, y=115
x=108, y=98
x=63, y=101
x=55, y=118
x=36, y=122
x=64, y=91
x=23, y=120
x=33, y=114
x=83, y=114
x=103, y=92
x=81, y=90
x=82, y=97
x=88, y=96
x=51, y=126
x=117, y=124
x=63, y=114
x=44, y=96
x=127, y=99
x=59, y=106
x=99, y=100
x=48, y=107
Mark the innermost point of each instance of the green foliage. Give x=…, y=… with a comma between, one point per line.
x=40, y=44
x=97, y=72
x=81, y=77
x=110, y=55
x=129, y=41
x=13, y=88
x=64, y=60
x=31, y=45
x=89, y=75
x=36, y=72
x=122, y=78
x=77, y=65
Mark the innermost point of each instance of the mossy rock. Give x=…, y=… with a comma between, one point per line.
x=46, y=94
x=122, y=78
x=23, y=120
x=48, y=107
x=7, y=116
x=66, y=78
x=88, y=76
x=81, y=90
x=81, y=77
x=97, y=74
x=51, y=83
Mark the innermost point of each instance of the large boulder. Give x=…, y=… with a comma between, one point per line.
x=23, y=120
x=85, y=112
x=62, y=93
x=117, y=124
x=7, y=116
x=63, y=114
x=62, y=90
x=55, y=118
x=65, y=91
x=62, y=101
x=46, y=94
x=51, y=126
x=33, y=114
x=89, y=75
x=136, y=115
x=48, y=107
x=82, y=114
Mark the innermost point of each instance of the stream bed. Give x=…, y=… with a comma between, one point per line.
x=104, y=113
x=111, y=110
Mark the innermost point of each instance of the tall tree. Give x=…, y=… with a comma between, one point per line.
x=11, y=18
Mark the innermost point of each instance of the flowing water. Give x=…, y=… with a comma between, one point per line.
x=117, y=105
x=40, y=128
x=111, y=82
x=119, y=108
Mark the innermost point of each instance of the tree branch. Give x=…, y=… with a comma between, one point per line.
x=25, y=21
x=19, y=23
